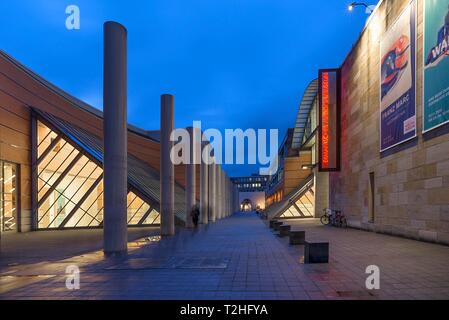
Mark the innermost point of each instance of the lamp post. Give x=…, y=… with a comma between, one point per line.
x=369, y=9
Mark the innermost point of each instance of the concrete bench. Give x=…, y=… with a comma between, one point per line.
x=316, y=252
x=297, y=237
x=284, y=230
x=276, y=225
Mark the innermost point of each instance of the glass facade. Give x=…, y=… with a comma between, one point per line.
x=70, y=187
x=310, y=132
x=302, y=206
x=8, y=196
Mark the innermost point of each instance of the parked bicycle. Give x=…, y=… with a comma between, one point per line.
x=334, y=218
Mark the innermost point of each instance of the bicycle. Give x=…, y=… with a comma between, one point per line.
x=334, y=218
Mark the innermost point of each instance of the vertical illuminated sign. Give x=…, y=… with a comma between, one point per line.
x=325, y=120
x=329, y=116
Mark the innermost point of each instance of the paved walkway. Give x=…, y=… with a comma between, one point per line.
x=240, y=258
x=26, y=248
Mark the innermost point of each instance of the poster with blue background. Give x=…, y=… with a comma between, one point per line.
x=398, y=78
x=436, y=64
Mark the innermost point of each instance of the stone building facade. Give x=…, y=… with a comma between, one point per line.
x=405, y=190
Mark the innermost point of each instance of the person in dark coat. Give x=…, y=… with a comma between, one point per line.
x=195, y=214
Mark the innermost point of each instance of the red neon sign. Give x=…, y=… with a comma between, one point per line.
x=325, y=120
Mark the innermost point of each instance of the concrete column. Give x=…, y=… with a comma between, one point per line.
x=167, y=168
x=115, y=231
x=237, y=196
x=236, y=199
x=224, y=195
x=217, y=194
x=230, y=197
x=204, y=197
x=190, y=175
x=231, y=201
x=321, y=186
x=228, y=209
x=234, y=209
x=213, y=192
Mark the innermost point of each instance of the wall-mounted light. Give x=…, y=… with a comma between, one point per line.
x=369, y=8
x=307, y=167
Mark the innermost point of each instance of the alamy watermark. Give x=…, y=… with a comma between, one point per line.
x=73, y=20
x=73, y=280
x=373, y=280
x=256, y=146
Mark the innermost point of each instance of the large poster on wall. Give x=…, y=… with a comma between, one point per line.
x=398, y=81
x=436, y=64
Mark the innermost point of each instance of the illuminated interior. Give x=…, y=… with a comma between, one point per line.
x=70, y=186
x=8, y=196
x=301, y=205
x=246, y=205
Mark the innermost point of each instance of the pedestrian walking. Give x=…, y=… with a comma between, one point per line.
x=195, y=214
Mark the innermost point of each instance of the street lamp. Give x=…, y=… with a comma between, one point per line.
x=369, y=9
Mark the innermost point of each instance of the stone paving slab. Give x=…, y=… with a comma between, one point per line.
x=240, y=258
x=25, y=248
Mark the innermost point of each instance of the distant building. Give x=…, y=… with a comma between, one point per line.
x=251, y=191
x=254, y=183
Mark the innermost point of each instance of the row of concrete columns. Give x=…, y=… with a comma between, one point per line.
x=218, y=195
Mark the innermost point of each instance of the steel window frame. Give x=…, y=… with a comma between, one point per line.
x=35, y=117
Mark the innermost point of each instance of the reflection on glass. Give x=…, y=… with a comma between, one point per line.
x=45, y=138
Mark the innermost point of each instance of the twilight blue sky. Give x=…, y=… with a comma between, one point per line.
x=229, y=63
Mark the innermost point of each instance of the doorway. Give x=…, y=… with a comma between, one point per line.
x=246, y=205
